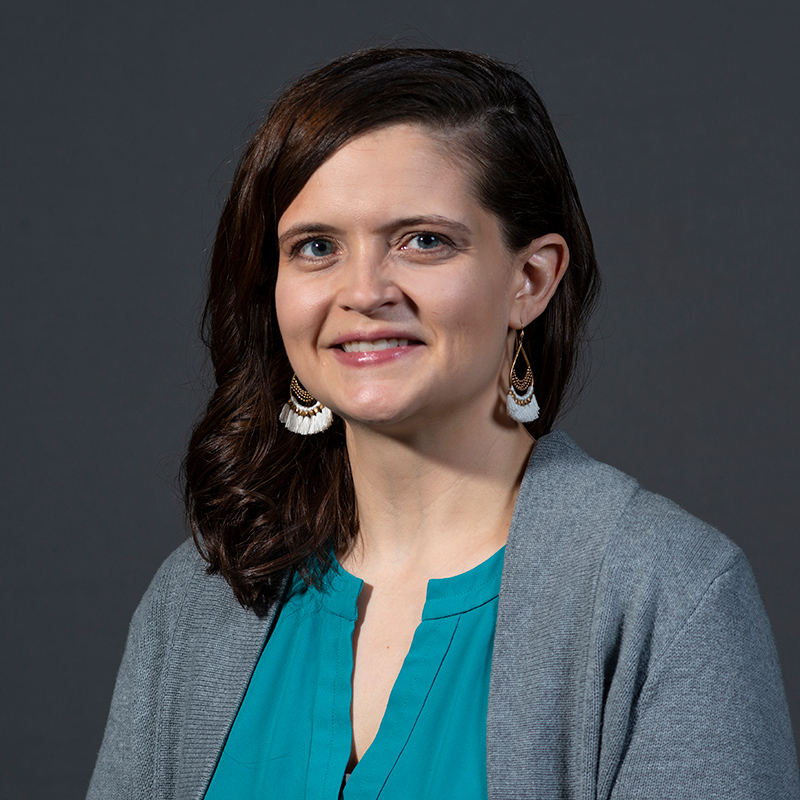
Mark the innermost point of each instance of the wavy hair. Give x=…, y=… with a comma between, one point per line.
x=260, y=499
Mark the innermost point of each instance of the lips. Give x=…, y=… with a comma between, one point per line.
x=372, y=349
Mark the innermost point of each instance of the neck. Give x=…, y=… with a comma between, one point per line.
x=436, y=502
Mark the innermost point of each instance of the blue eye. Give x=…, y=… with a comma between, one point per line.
x=316, y=248
x=425, y=241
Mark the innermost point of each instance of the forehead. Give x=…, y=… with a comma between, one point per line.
x=399, y=170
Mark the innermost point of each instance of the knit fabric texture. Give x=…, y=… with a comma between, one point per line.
x=632, y=659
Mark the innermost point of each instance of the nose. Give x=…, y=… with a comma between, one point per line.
x=367, y=283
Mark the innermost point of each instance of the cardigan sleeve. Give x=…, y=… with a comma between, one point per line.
x=711, y=719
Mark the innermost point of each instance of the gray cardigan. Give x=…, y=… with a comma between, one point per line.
x=632, y=658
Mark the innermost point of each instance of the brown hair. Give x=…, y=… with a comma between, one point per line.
x=261, y=499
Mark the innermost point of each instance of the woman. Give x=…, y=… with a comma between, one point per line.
x=407, y=585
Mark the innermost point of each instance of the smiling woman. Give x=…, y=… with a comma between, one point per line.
x=403, y=581
x=387, y=243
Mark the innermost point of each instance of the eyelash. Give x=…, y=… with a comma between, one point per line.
x=298, y=246
x=443, y=241
x=405, y=240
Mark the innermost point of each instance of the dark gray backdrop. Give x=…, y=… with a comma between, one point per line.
x=120, y=126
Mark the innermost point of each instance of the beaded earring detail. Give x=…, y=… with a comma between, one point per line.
x=303, y=413
x=521, y=401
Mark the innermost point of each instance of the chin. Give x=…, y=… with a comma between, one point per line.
x=374, y=408
x=383, y=418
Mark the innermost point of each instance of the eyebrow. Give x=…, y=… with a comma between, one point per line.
x=305, y=228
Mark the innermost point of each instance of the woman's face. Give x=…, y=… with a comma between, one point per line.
x=395, y=291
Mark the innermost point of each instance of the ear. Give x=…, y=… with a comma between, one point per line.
x=539, y=269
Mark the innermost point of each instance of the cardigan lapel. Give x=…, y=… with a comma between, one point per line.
x=210, y=680
x=540, y=729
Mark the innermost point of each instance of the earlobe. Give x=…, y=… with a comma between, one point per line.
x=542, y=265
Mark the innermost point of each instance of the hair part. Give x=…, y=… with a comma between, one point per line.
x=260, y=499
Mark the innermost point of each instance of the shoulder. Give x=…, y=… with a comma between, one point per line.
x=182, y=569
x=180, y=587
x=618, y=566
x=597, y=530
x=660, y=544
x=626, y=519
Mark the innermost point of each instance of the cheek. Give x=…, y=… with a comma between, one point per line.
x=291, y=316
x=477, y=309
x=300, y=314
x=283, y=308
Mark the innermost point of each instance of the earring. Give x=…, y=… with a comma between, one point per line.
x=521, y=401
x=303, y=413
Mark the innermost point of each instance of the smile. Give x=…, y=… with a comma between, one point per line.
x=370, y=347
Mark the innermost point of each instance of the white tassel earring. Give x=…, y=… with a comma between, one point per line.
x=521, y=401
x=303, y=413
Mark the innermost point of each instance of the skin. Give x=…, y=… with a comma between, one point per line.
x=387, y=241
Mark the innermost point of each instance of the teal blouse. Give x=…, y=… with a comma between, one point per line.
x=292, y=733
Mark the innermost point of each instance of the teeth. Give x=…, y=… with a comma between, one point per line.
x=369, y=347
